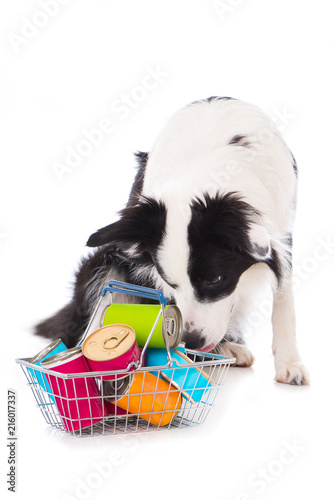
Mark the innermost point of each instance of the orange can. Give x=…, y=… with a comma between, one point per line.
x=152, y=398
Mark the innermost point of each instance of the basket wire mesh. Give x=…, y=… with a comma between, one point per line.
x=174, y=406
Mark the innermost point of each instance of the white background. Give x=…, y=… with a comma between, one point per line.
x=64, y=79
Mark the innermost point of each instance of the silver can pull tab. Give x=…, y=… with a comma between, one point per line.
x=115, y=340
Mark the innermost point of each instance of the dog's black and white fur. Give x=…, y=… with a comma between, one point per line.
x=210, y=214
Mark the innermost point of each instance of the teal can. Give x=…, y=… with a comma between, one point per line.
x=54, y=348
x=192, y=381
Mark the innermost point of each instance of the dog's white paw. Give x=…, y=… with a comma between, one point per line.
x=239, y=351
x=292, y=373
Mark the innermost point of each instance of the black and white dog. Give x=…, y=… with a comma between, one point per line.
x=210, y=214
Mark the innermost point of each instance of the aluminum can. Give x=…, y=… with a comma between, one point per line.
x=192, y=381
x=54, y=348
x=78, y=399
x=141, y=318
x=112, y=347
x=152, y=399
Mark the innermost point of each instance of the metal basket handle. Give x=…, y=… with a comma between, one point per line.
x=139, y=291
x=105, y=301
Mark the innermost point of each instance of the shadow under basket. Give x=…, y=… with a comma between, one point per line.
x=147, y=399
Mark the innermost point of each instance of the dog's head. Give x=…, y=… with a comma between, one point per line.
x=196, y=258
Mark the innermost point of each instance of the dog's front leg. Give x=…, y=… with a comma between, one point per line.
x=289, y=368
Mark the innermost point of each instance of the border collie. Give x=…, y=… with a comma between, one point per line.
x=209, y=217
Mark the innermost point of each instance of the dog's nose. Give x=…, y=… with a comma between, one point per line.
x=193, y=338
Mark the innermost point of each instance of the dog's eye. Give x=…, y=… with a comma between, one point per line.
x=213, y=281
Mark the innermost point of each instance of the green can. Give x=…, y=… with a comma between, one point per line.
x=141, y=318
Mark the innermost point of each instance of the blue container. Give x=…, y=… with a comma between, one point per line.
x=192, y=381
x=54, y=348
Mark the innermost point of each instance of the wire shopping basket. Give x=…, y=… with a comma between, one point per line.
x=166, y=388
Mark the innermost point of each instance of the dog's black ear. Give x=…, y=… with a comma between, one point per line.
x=231, y=223
x=140, y=226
